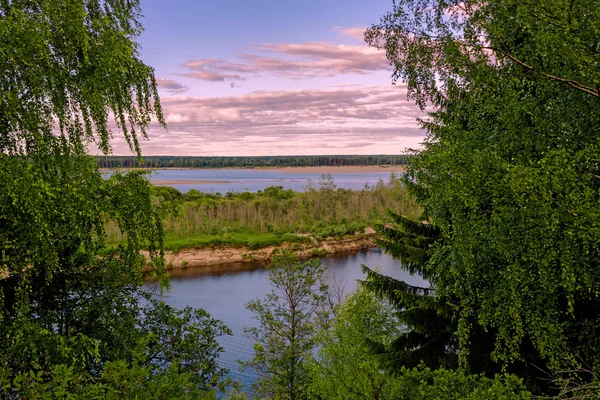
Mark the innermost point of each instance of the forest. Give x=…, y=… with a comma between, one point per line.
x=502, y=218
x=248, y=162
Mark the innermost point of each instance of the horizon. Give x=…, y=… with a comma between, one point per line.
x=269, y=155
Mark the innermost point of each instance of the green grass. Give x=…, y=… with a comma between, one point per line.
x=274, y=216
x=250, y=240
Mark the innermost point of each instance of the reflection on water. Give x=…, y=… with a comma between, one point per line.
x=223, y=290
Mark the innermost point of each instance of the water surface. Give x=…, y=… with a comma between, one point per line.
x=239, y=180
x=224, y=294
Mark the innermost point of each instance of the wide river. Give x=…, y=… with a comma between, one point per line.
x=224, y=295
x=239, y=180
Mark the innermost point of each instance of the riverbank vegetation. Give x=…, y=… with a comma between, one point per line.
x=274, y=215
x=314, y=343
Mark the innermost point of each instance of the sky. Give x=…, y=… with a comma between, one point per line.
x=272, y=77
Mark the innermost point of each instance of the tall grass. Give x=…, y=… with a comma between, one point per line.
x=319, y=211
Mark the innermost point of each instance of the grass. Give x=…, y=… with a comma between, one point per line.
x=250, y=240
x=274, y=215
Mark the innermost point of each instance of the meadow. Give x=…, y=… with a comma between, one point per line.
x=274, y=215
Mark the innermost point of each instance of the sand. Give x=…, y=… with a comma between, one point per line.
x=212, y=257
x=293, y=170
x=350, y=169
x=187, y=182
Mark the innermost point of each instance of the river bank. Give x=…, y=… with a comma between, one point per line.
x=349, y=169
x=215, y=256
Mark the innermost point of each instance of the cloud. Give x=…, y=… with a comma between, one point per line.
x=355, y=33
x=342, y=117
x=303, y=60
x=214, y=70
x=354, y=120
x=211, y=76
x=170, y=85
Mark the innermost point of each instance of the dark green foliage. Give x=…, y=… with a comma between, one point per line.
x=429, y=325
x=248, y=162
x=429, y=321
x=408, y=241
x=63, y=306
x=509, y=171
x=167, y=193
x=184, y=340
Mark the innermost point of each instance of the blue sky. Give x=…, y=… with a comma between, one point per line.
x=266, y=77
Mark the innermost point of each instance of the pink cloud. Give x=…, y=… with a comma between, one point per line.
x=170, y=85
x=211, y=76
x=355, y=33
x=303, y=60
x=359, y=120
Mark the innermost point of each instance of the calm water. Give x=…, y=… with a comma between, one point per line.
x=239, y=180
x=224, y=295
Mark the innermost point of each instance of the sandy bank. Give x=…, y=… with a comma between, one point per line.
x=291, y=170
x=187, y=182
x=210, y=257
x=350, y=169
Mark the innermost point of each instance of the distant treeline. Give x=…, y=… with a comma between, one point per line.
x=249, y=162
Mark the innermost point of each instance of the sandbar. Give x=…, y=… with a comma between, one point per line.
x=328, y=169
x=348, y=169
x=187, y=182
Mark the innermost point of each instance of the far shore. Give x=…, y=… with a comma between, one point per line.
x=295, y=170
x=187, y=182
x=350, y=169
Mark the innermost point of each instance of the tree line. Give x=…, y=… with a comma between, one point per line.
x=249, y=162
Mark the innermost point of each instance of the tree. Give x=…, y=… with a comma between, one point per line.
x=509, y=171
x=429, y=323
x=344, y=367
x=289, y=319
x=69, y=306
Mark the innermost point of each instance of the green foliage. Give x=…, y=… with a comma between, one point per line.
x=75, y=62
x=118, y=381
x=71, y=320
x=184, y=341
x=434, y=46
x=237, y=239
x=429, y=325
x=289, y=317
x=344, y=367
x=509, y=172
x=274, y=215
x=167, y=193
x=424, y=384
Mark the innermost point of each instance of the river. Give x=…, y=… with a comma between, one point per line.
x=225, y=293
x=239, y=180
